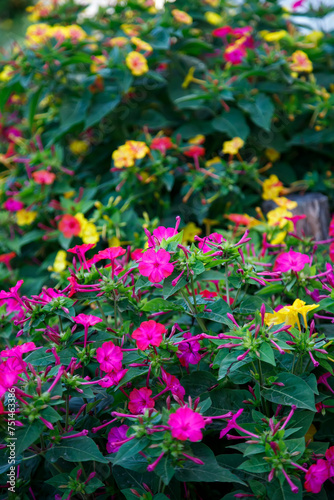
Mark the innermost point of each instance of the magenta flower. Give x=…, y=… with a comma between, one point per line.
x=140, y=400
x=164, y=233
x=9, y=371
x=13, y=205
x=330, y=459
x=111, y=253
x=110, y=357
x=188, y=351
x=116, y=435
x=317, y=474
x=186, y=424
x=112, y=378
x=18, y=350
x=215, y=238
x=86, y=320
x=149, y=334
x=155, y=265
x=173, y=384
x=291, y=261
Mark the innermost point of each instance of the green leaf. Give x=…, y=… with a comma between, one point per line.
x=255, y=465
x=165, y=470
x=232, y=123
x=209, y=472
x=282, y=491
x=294, y=392
x=197, y=382
x=159, y=305
x=129, y=449
x=252, y=304
x=267, y=354
x=169, y=289
x=219, y=310
x=101, y=106
x=26, y=436
x=261, y=110
x=43, y=358
x=80, y=449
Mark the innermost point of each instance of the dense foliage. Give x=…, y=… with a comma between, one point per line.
x=180, y=85
x=162, y=337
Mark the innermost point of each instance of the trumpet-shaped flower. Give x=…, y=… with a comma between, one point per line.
x=140, y=400
x=150, y=333
x=186, y=424
x=155, y=265
x=110, y=357
x=291, y=261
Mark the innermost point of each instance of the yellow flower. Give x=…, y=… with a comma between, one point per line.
x=89, y=233
x=289, y=314
x=232, y=147
x=213, y=3
x=189, y=77
x=139, y=149
x=277, y=216
x=7, y=73
x=285, y=203
x=81, y=218
x=118, y=41
x=272, y=154
x=182, y=17
x=136, y=63
x=213, y=18
x=123, y=157
x=314, y=37
x=37, y=34
x=114, y=242
x=274, y=36
x=79, y=147
x=216, y=160
x=60, y=263
x=98, y=63
x=38, y=11
x=190, y=231
x=272, y=188
x=25, y=217
x=130, y=29
x=141, y=45
x=69, y=194
x=279, y=238
x=300, y=62
x=198, y=139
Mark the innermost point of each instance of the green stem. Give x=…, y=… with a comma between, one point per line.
x=105, y=319
x=226, y=284
x=193, y=308
x=264, y=402
x=115, y=310
x=67, y=407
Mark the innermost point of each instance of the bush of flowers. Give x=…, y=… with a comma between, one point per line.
x=173, y=371
x=136, y=115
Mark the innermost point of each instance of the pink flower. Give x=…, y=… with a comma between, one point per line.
x=316, y=475
x=222, y=32
x=18, y=350
x=69, y=226
x=111, y=253
x=186, y=424
x=155, y=265
x=331, y=252
x=86, y=320
x=115, y=435
x=298, y=3
x=173, y=384
x=137, y=254
x=9, y=371
x=140, y=400
x=188, y=351
x=13, y=205
x=194, y=151
x=43, y=177
x=331, y=226
x=149, y=333
x=112, y=378
x=215, y=238
x=235, y=53
x=330, y=459
x=80, y=250
x=110, y=357
x=161, y=144
x=206, y=294
x=291, y=261
x=164, y=233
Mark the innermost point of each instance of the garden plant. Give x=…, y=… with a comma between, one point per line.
x=162, y=335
